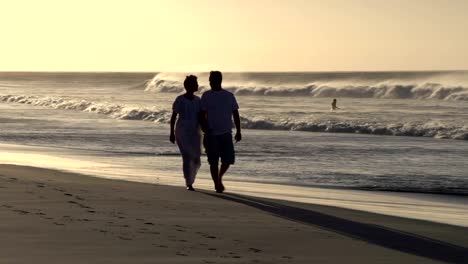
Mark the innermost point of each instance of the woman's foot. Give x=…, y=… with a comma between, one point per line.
x=190, y=188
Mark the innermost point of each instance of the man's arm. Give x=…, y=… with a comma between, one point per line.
x=173, y=120
x=238, y=136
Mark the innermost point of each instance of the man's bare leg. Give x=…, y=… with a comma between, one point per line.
x=215, y=175
x=222, y=170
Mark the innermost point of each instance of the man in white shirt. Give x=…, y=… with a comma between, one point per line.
x=218, y=107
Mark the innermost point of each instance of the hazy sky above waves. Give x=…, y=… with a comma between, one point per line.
x=233, y=35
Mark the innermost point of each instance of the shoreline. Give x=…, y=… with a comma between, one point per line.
x=369, y=189
x=65, y=217
x=441, y=208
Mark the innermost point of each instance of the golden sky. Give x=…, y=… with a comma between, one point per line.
x=233, y=35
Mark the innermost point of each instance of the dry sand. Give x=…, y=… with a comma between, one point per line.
x=55, y=217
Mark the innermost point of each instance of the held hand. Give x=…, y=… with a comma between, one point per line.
x=172, y=138
x=238, y=137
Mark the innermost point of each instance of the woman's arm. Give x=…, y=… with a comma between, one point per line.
x=202, y=121
x=172, y=133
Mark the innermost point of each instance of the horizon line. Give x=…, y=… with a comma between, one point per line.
x=286, y=71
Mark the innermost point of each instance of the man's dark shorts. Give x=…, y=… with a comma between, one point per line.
x=219, y=146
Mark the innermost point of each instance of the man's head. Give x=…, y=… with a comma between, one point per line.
x=216, y=78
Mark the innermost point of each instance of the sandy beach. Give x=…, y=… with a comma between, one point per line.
x=55, y=217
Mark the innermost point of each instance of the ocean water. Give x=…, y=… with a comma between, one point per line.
x=399, y=131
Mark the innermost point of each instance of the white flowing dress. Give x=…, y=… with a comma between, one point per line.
x=188, y=135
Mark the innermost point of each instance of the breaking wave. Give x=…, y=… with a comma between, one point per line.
x=110, y=109
x=438, y=85
x=430, y=129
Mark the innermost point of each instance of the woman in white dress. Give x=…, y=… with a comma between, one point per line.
x=187, y=131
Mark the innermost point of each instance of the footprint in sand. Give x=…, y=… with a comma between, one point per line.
x=99, y=230
x=68, y=194
x=149, y=223
x=79, y=204
x=255, y=250
x=161, y=246
x=23, y=212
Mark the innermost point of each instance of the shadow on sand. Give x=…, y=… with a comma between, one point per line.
x=378, y=235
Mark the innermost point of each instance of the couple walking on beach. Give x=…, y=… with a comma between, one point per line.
x=212, y=114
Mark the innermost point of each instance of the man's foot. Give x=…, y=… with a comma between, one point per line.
x=190, y=188
x=219, y=188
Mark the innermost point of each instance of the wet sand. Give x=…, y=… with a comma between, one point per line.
x=56, y=217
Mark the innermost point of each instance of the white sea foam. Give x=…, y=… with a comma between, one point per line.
x=110, y=109
x=391, y=87
x=405, y=129
x=428, y=129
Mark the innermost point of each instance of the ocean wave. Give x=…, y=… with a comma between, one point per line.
x=430, y=129
x=383, y=87
x=113, y=110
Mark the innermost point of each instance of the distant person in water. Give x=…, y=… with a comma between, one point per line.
x=218, y=107
x=187, y=132
x=333, y=105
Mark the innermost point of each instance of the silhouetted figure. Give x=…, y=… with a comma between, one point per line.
x=333, y=105
x=218, y=106
x=187, y=130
